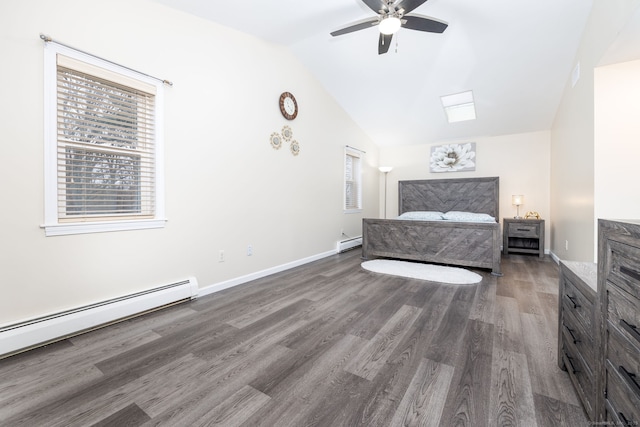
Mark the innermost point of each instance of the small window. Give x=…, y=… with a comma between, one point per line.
x=352, y=181
x=103, y=147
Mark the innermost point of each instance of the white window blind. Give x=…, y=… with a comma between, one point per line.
x=352, y=180
x=105, y=157
x=105, y=150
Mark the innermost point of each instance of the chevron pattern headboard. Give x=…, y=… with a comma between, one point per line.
x=480, y=195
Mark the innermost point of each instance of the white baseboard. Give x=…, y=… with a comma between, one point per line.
x=217, y=287
x=348, y=244
x=42, y=330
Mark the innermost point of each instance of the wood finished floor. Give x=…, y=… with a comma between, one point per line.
x=326, y=344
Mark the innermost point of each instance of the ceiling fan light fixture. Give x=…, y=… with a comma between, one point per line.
x=389, y=25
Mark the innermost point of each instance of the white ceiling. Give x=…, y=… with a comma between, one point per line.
x=515, y=55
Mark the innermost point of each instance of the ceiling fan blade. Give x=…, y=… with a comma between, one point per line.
x=360, y=25
x=376, y=5
x=409, y=5
x=384, y=42
x=423, y=23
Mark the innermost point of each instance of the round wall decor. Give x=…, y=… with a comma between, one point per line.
x=287, y=133
x=288, y=106
x=276, y=140
x=295, y=147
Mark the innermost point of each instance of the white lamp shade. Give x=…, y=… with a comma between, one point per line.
x=389, y=25
x=517, y=200
x=385, y=169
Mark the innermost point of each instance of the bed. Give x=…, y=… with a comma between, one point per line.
x=450, y=242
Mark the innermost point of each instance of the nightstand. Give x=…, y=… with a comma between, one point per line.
x=523, y=236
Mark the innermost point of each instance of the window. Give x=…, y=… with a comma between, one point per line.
x=103, y=148
x=459, y=107
x=352, y=180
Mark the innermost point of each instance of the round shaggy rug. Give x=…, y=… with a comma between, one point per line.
x=430, y=272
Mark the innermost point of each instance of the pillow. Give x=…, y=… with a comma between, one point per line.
x=422, y=215
x=468, y=216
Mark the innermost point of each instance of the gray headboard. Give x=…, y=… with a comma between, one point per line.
x=479, y=195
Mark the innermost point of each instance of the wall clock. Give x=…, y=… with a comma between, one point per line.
x=288, y=106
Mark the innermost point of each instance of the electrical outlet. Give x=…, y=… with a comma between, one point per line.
x=566, y=245
x=249, y=250
x=221, y=256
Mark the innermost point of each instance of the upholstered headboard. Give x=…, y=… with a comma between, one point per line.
x=479, y=195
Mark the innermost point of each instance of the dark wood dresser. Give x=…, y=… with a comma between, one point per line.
x=618, y=377
x=577, y=352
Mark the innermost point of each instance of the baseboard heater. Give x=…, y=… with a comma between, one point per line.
x=348, y=244
x=47, y=329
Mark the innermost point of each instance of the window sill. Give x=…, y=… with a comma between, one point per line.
x=352, y=211
x=100, y=227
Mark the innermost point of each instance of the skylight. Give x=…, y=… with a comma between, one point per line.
x=459, y=106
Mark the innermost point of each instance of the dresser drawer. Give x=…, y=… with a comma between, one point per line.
x=574, y=301
x=624, y=357
x=623, y=404
x=623, y=313
x=624, y=267
x=579, y=337
x=581, y=376
x=524, y=230
x=576, y=340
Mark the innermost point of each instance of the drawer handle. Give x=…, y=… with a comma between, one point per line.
x=630, y=272
x=630, y=378
x=573, y=300
x=632, y=329
x=523, y=229
x=573, y=337
x=569, y=358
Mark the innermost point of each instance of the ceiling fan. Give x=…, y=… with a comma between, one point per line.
x=393, y=14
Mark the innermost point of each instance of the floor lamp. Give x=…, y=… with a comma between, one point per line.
x=385, y=170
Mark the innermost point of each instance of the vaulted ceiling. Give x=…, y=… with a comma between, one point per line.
x=515, y=55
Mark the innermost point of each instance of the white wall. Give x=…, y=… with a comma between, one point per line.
x=574, y=192
x=226, y=187
x=617, y=141
x=521, y=161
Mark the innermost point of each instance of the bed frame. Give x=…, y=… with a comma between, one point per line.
x=443, y=242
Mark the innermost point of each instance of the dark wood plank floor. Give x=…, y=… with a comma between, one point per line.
x=326, y=344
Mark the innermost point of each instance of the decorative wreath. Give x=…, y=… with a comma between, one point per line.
x=276, y=140
x=287, y=133
x=295, y=148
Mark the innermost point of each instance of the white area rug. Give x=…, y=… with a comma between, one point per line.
x=414, y=270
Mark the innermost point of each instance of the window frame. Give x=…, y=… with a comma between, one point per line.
x=53, y=225
x=350, y=152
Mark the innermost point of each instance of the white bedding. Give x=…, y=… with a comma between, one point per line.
x=447, y=216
